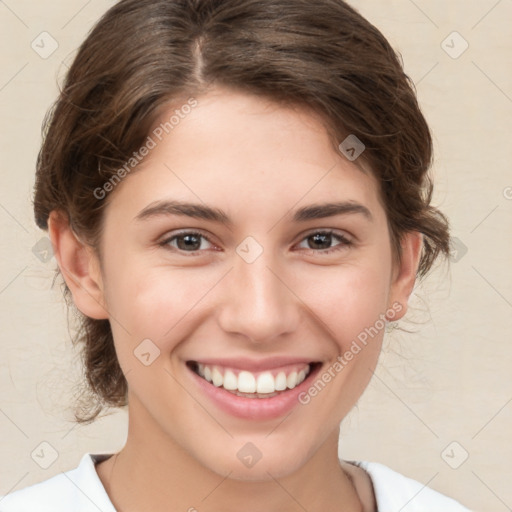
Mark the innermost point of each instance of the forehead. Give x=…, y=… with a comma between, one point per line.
x=245, y=154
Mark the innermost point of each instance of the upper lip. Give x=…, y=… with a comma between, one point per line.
x=255, y=365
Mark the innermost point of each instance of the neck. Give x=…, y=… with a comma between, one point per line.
x=153, y=471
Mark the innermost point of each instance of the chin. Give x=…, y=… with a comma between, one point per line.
x=248, y=463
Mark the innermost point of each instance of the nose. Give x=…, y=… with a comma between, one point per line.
x=258, y=303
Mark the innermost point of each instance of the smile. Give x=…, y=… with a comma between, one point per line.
x=253, y=384
x=251, y=391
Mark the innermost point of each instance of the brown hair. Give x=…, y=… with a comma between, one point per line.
x=143, y=54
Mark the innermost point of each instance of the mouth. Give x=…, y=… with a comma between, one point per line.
x=263, y=384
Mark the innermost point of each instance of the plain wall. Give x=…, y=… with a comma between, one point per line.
x=447, y=382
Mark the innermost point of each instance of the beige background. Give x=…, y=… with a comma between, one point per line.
x=450, y=381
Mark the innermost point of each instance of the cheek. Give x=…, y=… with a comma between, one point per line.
x=155, y=303
x=351, y=305
x=148, y=301
x=348, y=299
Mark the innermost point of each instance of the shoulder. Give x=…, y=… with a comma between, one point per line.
x=395, y=492
x=77, y=489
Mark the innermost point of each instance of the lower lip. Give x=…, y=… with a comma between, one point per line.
x=254, y=408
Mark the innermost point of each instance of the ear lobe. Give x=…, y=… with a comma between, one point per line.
x=79, y=266
x=404, y=277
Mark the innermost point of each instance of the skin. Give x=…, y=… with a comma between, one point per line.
x=259, y=162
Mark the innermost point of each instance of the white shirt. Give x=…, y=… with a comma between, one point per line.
x=81, y=490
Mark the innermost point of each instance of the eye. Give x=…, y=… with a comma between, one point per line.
x=191, y=242
x=324, y=239
x=186, y=241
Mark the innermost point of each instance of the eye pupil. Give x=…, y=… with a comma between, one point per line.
x=190, y=242
x=323, y=239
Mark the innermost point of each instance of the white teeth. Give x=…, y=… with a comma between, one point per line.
x=230, y=381
x=217, y=378
x=291, y=381
x=264, y=385
x=246, y=382
x=281, y=383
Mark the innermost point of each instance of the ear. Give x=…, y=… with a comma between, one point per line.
x=404, y=275
x=79, y=266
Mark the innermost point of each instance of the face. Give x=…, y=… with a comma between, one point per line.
x=268, y=294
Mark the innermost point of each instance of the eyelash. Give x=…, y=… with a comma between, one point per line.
x=345, y=242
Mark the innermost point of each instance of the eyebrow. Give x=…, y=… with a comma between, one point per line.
x=205, y=212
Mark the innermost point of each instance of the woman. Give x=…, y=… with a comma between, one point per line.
x=237, y=197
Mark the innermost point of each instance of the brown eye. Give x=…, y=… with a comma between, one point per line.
x=186, y=242
x=320, y=241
